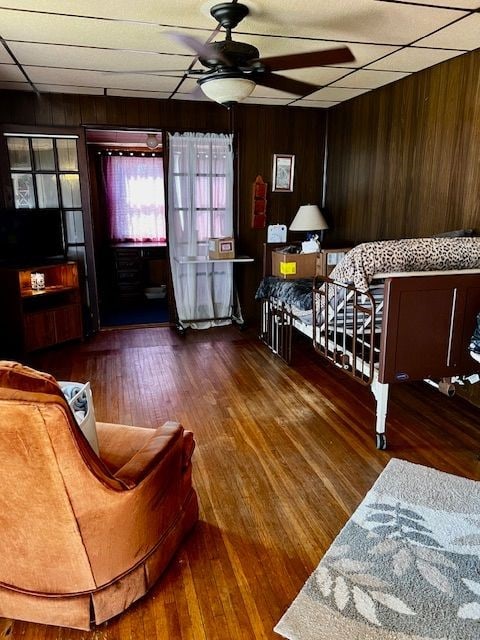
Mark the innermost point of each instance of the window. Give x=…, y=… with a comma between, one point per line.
x=135, y=197
x=44, y=173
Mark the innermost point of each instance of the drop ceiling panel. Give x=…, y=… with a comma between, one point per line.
x=464, y=34
x=61, y=88
x=74, y=52
x=28, y=53
x=366, y=53
x=316, y=104
x=275, y=46
x=4, y=55
x=98, y=79
x=317, y=75
x=11, y=73
x=336, y=94
x=348, y=20
x=413, y=59
x=15, y=86
x=37, y=27
x=265, y=100
x=266, y=92
x=189, y=85
x=461, y=4
x=187, y=13
x=196, y=14
x=267, y=46
x=190, y=96
x=368, y=79
x=162, y=95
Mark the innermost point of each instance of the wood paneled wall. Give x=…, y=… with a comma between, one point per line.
x=260, y=131
x=263, y=131
x=404, y=160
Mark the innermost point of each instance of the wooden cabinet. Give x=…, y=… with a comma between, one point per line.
x=128, y=273
x=136, y=267
x=34, y=319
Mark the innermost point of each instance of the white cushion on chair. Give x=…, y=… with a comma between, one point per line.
x=77, y=394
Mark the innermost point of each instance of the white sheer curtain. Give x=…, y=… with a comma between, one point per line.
x=200, y=189
x=135, y=198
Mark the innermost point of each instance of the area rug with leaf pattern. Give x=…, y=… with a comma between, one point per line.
x=405, y=566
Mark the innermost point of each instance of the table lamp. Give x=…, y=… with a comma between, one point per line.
x=309, y=218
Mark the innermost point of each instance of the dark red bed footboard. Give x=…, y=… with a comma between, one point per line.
x=427, y=325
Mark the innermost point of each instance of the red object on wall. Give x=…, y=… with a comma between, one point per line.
x=259, y=221
x=259, y=203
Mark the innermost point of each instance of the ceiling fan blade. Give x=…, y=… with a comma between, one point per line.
x=203, y=50
x=309, y=59
x=281, y=83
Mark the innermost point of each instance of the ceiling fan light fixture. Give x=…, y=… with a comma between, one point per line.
x=227, y=90
x=152, y=141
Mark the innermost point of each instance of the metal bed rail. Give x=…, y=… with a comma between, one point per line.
x=347, y=324
x=276, y=328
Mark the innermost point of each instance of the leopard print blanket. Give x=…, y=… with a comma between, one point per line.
x=417, y=254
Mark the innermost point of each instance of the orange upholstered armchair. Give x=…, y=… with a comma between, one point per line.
x=82, y=536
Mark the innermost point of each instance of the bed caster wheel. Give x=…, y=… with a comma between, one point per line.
x=381, y=439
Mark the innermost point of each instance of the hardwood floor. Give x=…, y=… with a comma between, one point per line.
x=284, y=455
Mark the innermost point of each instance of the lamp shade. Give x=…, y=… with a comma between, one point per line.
x=308, y=218
x=227, y=89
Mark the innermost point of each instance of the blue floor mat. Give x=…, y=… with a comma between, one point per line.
x=142, y=312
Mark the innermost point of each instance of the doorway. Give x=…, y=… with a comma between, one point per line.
x=129, y=222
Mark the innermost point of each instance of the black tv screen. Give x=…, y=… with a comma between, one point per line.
x=31, y=235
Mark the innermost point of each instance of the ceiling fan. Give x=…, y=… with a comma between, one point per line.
x=233, y=69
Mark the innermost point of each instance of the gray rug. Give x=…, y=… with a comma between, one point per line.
x=405, y=566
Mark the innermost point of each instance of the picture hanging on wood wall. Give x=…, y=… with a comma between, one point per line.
x=283, y=171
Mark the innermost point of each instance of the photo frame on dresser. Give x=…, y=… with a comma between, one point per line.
x=283, y=172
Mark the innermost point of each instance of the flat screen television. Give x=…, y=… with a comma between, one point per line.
x=30, y=236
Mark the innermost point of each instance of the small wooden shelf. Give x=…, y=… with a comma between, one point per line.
x=35, y=319
x=28, y=293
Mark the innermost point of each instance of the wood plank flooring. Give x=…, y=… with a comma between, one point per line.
x=284, y=455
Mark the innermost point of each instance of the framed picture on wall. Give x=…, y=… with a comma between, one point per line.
x=283, y=171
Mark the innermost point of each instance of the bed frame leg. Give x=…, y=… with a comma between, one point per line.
x=380, y=391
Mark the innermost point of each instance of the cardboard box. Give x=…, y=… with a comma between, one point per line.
x=328, y=259
x=221, y=248
x=293, y=265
